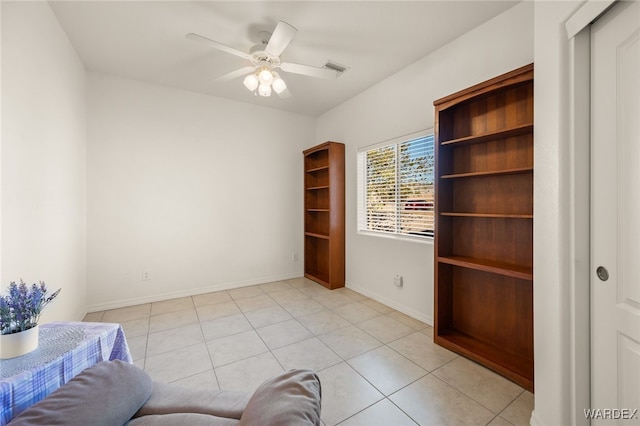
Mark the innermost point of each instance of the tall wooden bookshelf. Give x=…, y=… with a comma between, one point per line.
x=484, y=224
x=324, y=216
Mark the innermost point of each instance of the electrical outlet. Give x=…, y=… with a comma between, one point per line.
x=145, y=276
x=294, y=257
x=397, y=281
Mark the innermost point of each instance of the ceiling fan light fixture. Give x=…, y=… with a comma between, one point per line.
x=264, y=90
x=278, y=84
x=251, y=82
x=265, y=76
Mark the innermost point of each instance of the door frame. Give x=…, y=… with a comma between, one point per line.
x=578, y=28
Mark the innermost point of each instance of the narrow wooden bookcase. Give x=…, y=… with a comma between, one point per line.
x=324, y=217
x=484, y=224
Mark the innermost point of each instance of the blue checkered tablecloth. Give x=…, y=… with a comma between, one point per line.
x=44, y=370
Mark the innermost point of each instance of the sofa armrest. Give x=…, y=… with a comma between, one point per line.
x=291, y=398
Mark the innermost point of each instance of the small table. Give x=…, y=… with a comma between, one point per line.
x=65, y=349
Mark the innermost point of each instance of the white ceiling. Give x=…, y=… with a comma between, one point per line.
x=145, y=40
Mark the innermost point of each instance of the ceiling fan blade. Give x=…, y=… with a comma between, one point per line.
x=235, y=74
x=219, y=46
x=308, y=70
x=280, y=39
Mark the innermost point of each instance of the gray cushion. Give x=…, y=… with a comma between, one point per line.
x=292, y=398
x=191, y=419
x=171, y=398
x=108, y=393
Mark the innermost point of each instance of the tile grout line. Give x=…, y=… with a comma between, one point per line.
x=509, y=404
x=522, y=390
x=213, y=368
x=255, y=330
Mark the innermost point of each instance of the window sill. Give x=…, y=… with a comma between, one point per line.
x=409, y=238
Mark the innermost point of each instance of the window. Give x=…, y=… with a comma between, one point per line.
x=395, y=186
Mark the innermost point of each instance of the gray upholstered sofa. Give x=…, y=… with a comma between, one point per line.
x=117, y=393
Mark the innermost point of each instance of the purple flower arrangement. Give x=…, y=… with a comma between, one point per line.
x=20, y=310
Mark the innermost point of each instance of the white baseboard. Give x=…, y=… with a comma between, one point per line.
x=158, y=297
x=420, y=316
x=535, y=421
x=79, y=315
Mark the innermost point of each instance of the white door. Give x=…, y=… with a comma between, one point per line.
x=615, y=215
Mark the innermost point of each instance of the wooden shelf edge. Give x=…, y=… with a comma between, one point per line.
x=314, y=235
x=315, y=277
x=498, y=134
x=317, y=169
x=322, y=147
x=500, y=268
x=517, y=76
x=318, y=210
x=488, y=173
x=515, y=368
x=488, y=215
x=314, y=188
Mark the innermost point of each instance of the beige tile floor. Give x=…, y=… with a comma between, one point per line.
x=377, y=366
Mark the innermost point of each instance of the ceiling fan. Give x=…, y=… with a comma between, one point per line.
x=261, y=77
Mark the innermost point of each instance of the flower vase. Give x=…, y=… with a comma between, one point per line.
x=17, y=344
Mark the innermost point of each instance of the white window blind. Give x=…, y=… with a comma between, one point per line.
x=395, y=187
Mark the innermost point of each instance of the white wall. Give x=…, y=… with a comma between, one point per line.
x=554, y=299
x=403, y=104
x=203, y=193
x=43, y=160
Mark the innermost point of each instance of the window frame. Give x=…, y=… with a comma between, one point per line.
x=361, y=170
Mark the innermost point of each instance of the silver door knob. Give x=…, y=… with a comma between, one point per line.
x=602, y=273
